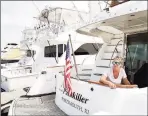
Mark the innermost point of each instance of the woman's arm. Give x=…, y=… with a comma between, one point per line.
x=106, y=82
x=126, y=86
x=117, y=85
x=125, y=81
x=103, y=80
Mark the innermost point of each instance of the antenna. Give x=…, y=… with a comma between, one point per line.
x=35, y=6
x=78, y=11
x=89, y=6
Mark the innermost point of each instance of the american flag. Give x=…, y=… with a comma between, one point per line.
x=68, y=66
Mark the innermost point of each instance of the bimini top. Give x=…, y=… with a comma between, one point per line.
x=129, y=17
x=62, y=15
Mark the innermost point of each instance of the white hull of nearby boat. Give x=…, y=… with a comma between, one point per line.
x=39, y=87
x=92, y=99
x=10, y=84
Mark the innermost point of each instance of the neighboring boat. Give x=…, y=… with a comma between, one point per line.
x=21, y=66
x=10, y=54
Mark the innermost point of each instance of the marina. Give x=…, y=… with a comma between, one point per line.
x=69, y=62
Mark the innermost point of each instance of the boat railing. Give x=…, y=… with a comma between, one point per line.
x=118, y=86
x=54, y=31
x=18, y=70
x=73, y=26
x=115, y=50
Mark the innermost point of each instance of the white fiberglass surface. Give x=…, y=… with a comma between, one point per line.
x=100, y=99
x=132, y=18
x=41, y=84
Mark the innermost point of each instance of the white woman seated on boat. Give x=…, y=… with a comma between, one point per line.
x=116, y=76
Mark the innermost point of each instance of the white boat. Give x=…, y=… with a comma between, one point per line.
x=124, y=27
x=41, y=44
x=7, y=54
x=23, y=65
x=21, y=52
x=89, y=98
x=37, y=41
x=50, y=59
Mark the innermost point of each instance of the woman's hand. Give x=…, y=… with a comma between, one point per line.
x=126, y=86
x=131, y=86
x=112, y=85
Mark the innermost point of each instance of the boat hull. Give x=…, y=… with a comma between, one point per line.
x=100, y=99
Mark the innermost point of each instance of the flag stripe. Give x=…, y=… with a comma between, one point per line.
x=67, y=70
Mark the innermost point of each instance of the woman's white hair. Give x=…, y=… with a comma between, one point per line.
x=119, y=59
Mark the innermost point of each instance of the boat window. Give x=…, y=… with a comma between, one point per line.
x=137, y=53
x=12, y=44
x=3, y=51
x=30, y=53
x=5, y=47
x=50, y=51
x=88, y=49
x=60, y=49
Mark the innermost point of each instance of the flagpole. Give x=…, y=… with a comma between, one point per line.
x=73, y=56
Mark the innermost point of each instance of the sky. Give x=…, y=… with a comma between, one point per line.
x=16, y=15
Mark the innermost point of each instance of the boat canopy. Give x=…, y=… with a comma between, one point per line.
x=62, y=15
x=126, y=22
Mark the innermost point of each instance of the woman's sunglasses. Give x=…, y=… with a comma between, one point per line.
x=116, y=63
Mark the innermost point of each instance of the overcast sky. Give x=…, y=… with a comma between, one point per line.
x=16, y=15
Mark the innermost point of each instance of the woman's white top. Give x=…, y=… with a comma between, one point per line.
x=110, y=76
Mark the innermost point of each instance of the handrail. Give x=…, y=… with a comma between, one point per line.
x=114, y=51
x=85, y=59
x=99, y=50
x=22, y=76
x=18, y=68
x=117, y=85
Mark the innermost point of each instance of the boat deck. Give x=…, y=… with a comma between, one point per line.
x=8, y=96
x=44, y=105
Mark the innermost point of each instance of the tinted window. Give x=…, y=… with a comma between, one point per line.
x=88, y=49
x=12, y=44
x=60, y=49
x=30, y=53
x=50, y=51
x=137, y=53
x=5, y=47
